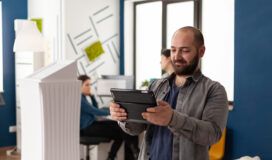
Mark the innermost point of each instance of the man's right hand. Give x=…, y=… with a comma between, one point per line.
x=117, y=113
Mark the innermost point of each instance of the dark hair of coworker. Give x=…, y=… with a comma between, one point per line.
x=198, y=36
x=166, y=52
x=83, y=78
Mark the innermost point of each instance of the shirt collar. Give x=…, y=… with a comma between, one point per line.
x=195, y=76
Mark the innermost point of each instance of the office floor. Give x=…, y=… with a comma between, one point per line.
x=3, y=155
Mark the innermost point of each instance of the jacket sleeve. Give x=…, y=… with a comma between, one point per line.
x=88, y=108
x=209, y=128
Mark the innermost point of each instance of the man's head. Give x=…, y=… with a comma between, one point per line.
x=165, y=59
x=187, y=47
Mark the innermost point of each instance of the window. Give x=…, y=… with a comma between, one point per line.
x=218, y=30
x=154, y=20
x=148, y=41
x=214, y=17
x=185, y=12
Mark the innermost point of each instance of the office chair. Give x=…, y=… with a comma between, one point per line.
x=217, y=150
x=89, y=141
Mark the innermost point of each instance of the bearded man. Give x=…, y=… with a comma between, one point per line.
x=191, y=111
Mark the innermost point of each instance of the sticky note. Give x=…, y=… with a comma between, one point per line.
x=94, y=50
x=38, y=23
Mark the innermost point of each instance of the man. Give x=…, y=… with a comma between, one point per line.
x=166, y=64
x=191, y=111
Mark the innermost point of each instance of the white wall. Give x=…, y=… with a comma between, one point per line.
x=87, y=22
x=51, y=12
x=72, y=25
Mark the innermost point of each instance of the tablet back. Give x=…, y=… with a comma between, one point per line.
x=134, y=102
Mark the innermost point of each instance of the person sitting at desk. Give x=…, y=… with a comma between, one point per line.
x=90, y=126
x=166, y=64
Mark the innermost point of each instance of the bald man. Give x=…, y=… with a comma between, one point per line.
x=191, y=111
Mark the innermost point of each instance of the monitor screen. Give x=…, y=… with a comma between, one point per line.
x=106, y=82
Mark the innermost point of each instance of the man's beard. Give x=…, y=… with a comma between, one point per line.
x=188, y=69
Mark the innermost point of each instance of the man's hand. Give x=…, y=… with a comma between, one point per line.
x=117, y=113
x=159, y=115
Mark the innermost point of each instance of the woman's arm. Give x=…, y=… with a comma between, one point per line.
x=88, y=108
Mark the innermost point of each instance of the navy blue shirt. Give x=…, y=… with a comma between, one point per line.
x=162, y=140
x=88, y=112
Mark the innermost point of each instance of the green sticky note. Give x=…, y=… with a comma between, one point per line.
x=38, y=23
x=94, y=50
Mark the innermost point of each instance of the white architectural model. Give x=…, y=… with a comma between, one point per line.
x=50, y=113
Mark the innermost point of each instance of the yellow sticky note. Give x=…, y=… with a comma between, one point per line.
x=94, y=50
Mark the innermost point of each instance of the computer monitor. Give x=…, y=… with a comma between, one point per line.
x=106, y=82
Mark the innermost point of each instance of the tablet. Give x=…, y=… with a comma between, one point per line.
x=134, y=102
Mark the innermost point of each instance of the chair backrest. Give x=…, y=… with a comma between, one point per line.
x=217, y=150
x=85, y=140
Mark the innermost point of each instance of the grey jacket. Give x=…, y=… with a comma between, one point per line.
x=197, y=122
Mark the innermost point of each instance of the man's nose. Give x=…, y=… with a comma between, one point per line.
x=177, y=55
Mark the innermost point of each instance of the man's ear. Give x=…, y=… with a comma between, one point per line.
x=201, y=50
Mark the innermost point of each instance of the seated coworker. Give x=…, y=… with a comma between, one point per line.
x=166, y=64
x=89, y=126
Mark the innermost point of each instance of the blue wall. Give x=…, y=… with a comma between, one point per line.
x=122, y=57
x=12, y=9
x=250, y=128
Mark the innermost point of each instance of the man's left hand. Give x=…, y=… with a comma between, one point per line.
x=160, y=115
